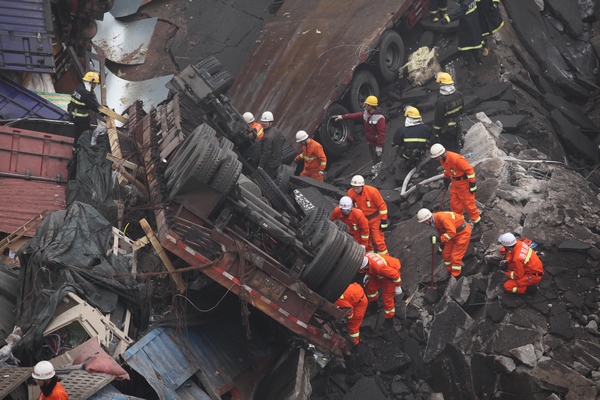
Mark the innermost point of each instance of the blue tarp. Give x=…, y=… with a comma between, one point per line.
x=16, y=102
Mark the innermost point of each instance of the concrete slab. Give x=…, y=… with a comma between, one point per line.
x=568, y=12
x=573, y=113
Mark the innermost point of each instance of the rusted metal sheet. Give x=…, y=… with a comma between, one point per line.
x=305, y=57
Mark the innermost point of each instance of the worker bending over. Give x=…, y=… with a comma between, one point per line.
x=313, y=156
x=382, y=271
x=355, y=300
x=524, y=268
x=355, y=220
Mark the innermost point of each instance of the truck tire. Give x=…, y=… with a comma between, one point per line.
x=362, y=86
x=282, y=178
x=335, y=136
x=221, y=82
x=198, y=168
x=343, y=272
x=206, y=167
x=186, y=165
x=225, y=144
x=227, y=175
x=390, y=56
x=210, y=64
x=288, y=153
x=341, y=226
x=277, y=199
x=309, y=224
x=328, y=252
x=184, y=154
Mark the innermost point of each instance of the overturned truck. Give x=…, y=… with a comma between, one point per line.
x=289, y=263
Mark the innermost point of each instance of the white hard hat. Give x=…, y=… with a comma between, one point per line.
x=424, y=215
x=43, y=370
x=357, y=180
x=267, y=116
x=364, y=262
x=301, y=136
x=248, y=117
x=345, y=203
x=437, y=150
x=507, y=239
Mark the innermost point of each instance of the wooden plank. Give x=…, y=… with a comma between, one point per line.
x=110, y=113
x=163, y=256
x=128, y=164
x=115, y=145
x=22, y=230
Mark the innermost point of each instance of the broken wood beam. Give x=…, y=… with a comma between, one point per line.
x=131, y=179
x=110, y=113
x=22, y=230
x=127, y=164
x=163, y=256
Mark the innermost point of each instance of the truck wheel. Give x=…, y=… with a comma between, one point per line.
x=362, y=86
x=201, y=169
x=221, y=82
x=390, y=56
x=210, y=64
x=227, y=174
x=252, y=155
x=341, y=226
x=335, y=136
x=332, y=246
x=282, y=177
x=288, y=153
x=183, y=167
x=309, y=223
x=225, y=144
x=277, y=199
x=343, y=272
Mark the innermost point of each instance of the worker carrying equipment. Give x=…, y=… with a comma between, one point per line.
x=463, y=186
x=256, y=130
x=355, y=220
x=523, y=266
x=355, y=300
x=368, y=199
x=412, y=138
x=313, y=155
x=454, y=236
x=384, y=272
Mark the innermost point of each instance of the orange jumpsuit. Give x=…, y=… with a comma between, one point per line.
x=354, y=298
x=258, y=131
x=524, y=268
x=385, y=274
x=458, y=168
x=314, y=159
x=455, y=235
x=357, y=223
x=58, y=393
x=373, y=206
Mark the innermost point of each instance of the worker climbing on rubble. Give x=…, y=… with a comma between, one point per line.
x=355, y=300
x=355, y=220
x=256, y=129
x=50, y=387
x=272, y=146
x=447, y=121
x=469, y=31
x=83, y=100
x=437, y=9
x=374, y=127
x=313, y=156
x=382, y=271
x=490, y=21
x=368, y=199
x=453, y=236
x=412, y=138
x=521, y=264
x=459, y=175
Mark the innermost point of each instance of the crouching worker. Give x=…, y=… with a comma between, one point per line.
x=46, y=378
x=382, y=271
x=521, y=264
x=355, y=300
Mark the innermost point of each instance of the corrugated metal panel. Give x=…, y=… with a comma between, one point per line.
x=22, y=199
x=18, y=102
x=26, y=34
x=168, y=358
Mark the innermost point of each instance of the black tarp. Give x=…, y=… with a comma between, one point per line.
x=71, y=252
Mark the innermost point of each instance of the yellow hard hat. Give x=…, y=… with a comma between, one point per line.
x=92, y=76
x=444, y=78
x=412, y=112
x=372, y=101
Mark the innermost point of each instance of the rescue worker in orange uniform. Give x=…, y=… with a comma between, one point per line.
x=313, y=156
x=524, y=268
x=368, y=199
x=354, y=299
x=256, y=130
x=382, y=271
x=459, y=175
x=45, y=377
x=355, y=220
x=454, y=236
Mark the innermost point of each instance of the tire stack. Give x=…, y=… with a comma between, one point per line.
x=337, y=256
x=201, y=158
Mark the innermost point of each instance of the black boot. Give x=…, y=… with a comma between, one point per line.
x=531, y=291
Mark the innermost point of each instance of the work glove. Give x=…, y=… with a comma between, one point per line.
x=366, y=279
x=447, y=182
x=440, y=248
x=472, y=187
x=321, y=173
x=384, y=225
x=435, y=239
x=444, y=21
x=379, y=151
x=337, y=117
x=503, y=265
x=398, y=290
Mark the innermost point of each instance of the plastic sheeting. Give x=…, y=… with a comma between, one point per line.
x=70, y=252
